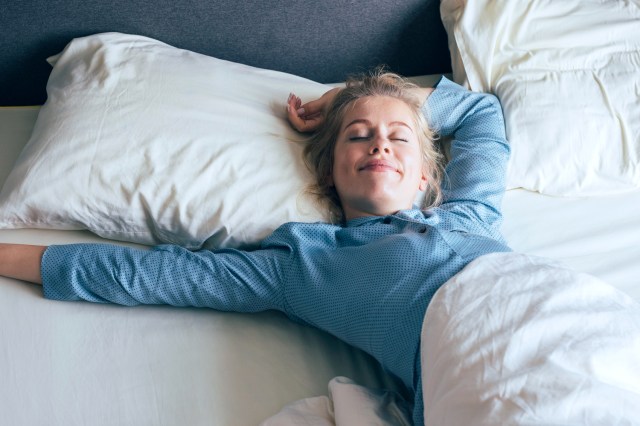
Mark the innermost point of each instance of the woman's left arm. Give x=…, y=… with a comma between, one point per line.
x=310, y=116
x=474, y=181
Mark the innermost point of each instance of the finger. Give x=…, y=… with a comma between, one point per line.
x=313, y=107
x=294, y=118
x=301, y=119
x=296, y=103
x=299, y=123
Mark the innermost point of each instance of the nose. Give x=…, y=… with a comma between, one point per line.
x=379, y=145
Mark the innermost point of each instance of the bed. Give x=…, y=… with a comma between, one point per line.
x=159, y=78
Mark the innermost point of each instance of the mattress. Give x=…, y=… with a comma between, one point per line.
x=72, y=363
x=79, y=363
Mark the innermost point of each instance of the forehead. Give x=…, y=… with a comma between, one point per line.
x=379, y=110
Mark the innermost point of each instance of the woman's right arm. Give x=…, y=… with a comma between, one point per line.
x=228, y=280
x=21, y=262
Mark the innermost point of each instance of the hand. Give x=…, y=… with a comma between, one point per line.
x=310, y=116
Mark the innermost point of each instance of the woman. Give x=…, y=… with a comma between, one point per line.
x=368, y=277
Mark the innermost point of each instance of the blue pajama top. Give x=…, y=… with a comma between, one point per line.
x=368, y=282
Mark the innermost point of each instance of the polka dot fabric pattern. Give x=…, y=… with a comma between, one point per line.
x=368, y=282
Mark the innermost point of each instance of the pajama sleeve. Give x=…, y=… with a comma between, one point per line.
x=229, y=280
x=474, y=180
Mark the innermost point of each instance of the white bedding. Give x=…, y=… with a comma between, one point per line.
x=554, y=347
x=597, y=235
x=566, y=74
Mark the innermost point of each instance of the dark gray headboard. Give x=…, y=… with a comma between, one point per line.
x=323, y=40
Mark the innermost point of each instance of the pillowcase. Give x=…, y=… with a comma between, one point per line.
x=567, y=76
x=140, y=141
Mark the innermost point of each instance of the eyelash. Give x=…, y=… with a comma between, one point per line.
x=361, y=138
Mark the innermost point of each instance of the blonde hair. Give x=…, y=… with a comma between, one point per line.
x=319, y=152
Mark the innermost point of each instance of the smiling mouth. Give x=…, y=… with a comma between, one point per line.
x=378, y=166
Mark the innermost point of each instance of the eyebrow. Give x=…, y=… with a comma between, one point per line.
x=365, y=121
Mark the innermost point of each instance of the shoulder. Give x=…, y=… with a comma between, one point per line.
x=296, y=233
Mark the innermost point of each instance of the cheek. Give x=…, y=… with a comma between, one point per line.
x=417, y=169
x=412, y=158
x=338, y=174
x=336, y=167
x=343, y=158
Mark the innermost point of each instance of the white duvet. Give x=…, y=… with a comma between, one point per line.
x=512, y=339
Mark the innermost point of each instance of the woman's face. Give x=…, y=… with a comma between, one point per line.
x=377, y=166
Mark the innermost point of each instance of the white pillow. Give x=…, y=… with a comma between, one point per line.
x=140, y=141
x=567, y=75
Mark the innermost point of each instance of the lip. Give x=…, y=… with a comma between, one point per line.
x=377, y=166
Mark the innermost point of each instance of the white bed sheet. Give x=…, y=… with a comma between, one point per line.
x=76, y=363
x=599, y=235
x=85, y=364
